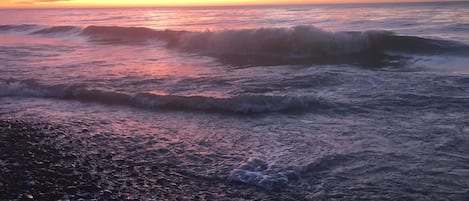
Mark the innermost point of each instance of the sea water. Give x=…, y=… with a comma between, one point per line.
x=348, y=101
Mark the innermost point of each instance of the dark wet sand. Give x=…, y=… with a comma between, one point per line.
x=41, y=161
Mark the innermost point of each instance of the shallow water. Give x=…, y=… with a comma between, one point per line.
x=337, y=102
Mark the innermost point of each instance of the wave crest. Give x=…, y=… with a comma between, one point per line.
x=300, y=40
x=20, y=27
x=271, y=46
x=115, y=34
x=237, y=104
x=274, y=46
x=58, y=30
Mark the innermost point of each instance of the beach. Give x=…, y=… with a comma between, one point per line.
x=43, y=162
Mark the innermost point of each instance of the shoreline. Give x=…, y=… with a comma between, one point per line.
x=40, y=161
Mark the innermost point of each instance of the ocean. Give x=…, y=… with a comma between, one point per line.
x=317, y=102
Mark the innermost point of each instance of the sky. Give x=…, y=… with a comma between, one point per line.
x=119, y=3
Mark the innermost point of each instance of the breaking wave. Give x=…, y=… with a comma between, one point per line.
x=238, y=104
x=21, y=27
x=296, y=45
x=58, y=30
x=274, y=46
x=257, y=172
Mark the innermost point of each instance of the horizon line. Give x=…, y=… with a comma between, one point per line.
x=223, y=6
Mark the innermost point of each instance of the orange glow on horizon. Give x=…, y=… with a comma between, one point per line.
x=168, y=3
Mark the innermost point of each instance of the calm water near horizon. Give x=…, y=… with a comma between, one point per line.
x=346, y=102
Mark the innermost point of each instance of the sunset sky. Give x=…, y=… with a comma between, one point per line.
x=115, y=3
